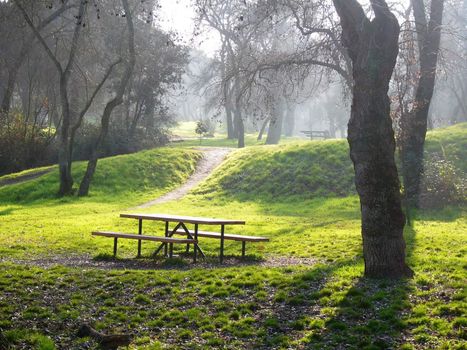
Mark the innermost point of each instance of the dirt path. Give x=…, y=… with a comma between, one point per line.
x=213, y=156
x=25, y=177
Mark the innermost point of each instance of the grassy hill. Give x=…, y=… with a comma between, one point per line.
x=302, y=290
x=314, y=169
x=127, y=176
x=33, y=221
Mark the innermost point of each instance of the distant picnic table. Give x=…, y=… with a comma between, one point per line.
x=167, y=241
x=316, y=133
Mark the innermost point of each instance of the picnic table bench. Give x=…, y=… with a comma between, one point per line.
x=315, y=133
x=117, y=235
x=180, y=228
x=230, y=237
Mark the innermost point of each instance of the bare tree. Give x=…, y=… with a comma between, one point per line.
x=18, y=59
x=110, y=106
x=64, y=70
x=71, y=119
x=414, y=124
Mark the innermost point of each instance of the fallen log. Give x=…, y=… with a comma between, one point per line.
x=105, y=341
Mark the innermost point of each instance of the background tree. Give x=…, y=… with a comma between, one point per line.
x=414, y=124
x=112, y=104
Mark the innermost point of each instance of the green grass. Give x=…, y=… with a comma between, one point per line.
x=186, y=130
x=302, y=290
x=296, y=169
x=34, y=222
x=25, y=173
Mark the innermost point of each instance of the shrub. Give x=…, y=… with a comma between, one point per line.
x=23, y=144
x=442, y=184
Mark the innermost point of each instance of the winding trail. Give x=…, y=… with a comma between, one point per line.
x=212, y=157
x=26, y=177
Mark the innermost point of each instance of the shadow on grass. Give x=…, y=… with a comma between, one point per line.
x=6, y=211
x=181, y=261
x=446, y=214
x=333, y=307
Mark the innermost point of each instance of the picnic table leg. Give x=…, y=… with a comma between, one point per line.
x=188, y=244
x=243, y=248
x=221, y=256
x=115, y=246
x=195, y=255
x=166, y=235
x=140, y=232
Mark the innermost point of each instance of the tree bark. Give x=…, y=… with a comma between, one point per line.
x=228, y=117
x=117, y=100
x=414, y=126
x=373, y=48
x=226, y=92
x=238, y=120
x=263, y=127
x=275, y=125
x=239, y=126
x=289, y=124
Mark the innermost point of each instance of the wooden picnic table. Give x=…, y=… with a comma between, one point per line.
x=180, y=228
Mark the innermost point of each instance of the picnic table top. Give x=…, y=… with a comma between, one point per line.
x=185, y=219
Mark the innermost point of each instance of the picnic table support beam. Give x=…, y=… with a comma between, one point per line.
x=140, y=232
x=221, y=256
x=243, y=248
x=115, y=246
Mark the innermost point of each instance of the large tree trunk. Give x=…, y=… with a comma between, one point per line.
x=12, y=75
x=117, y=100
x=373, y=48
x=414, y=127
x=275, y=125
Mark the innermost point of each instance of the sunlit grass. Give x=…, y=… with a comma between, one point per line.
x=319, y=301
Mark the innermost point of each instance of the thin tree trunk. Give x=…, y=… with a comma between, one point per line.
x=415, y=126
x=117, y=100
x=289, y=124
x=150, y=104
x=64, y=153
x=263, y=127
x=238, y=120
x=332, y=125
x=373, y=48
x=229, y=121
x=239, y=126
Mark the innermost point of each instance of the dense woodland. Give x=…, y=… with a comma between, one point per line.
x=103, y=109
